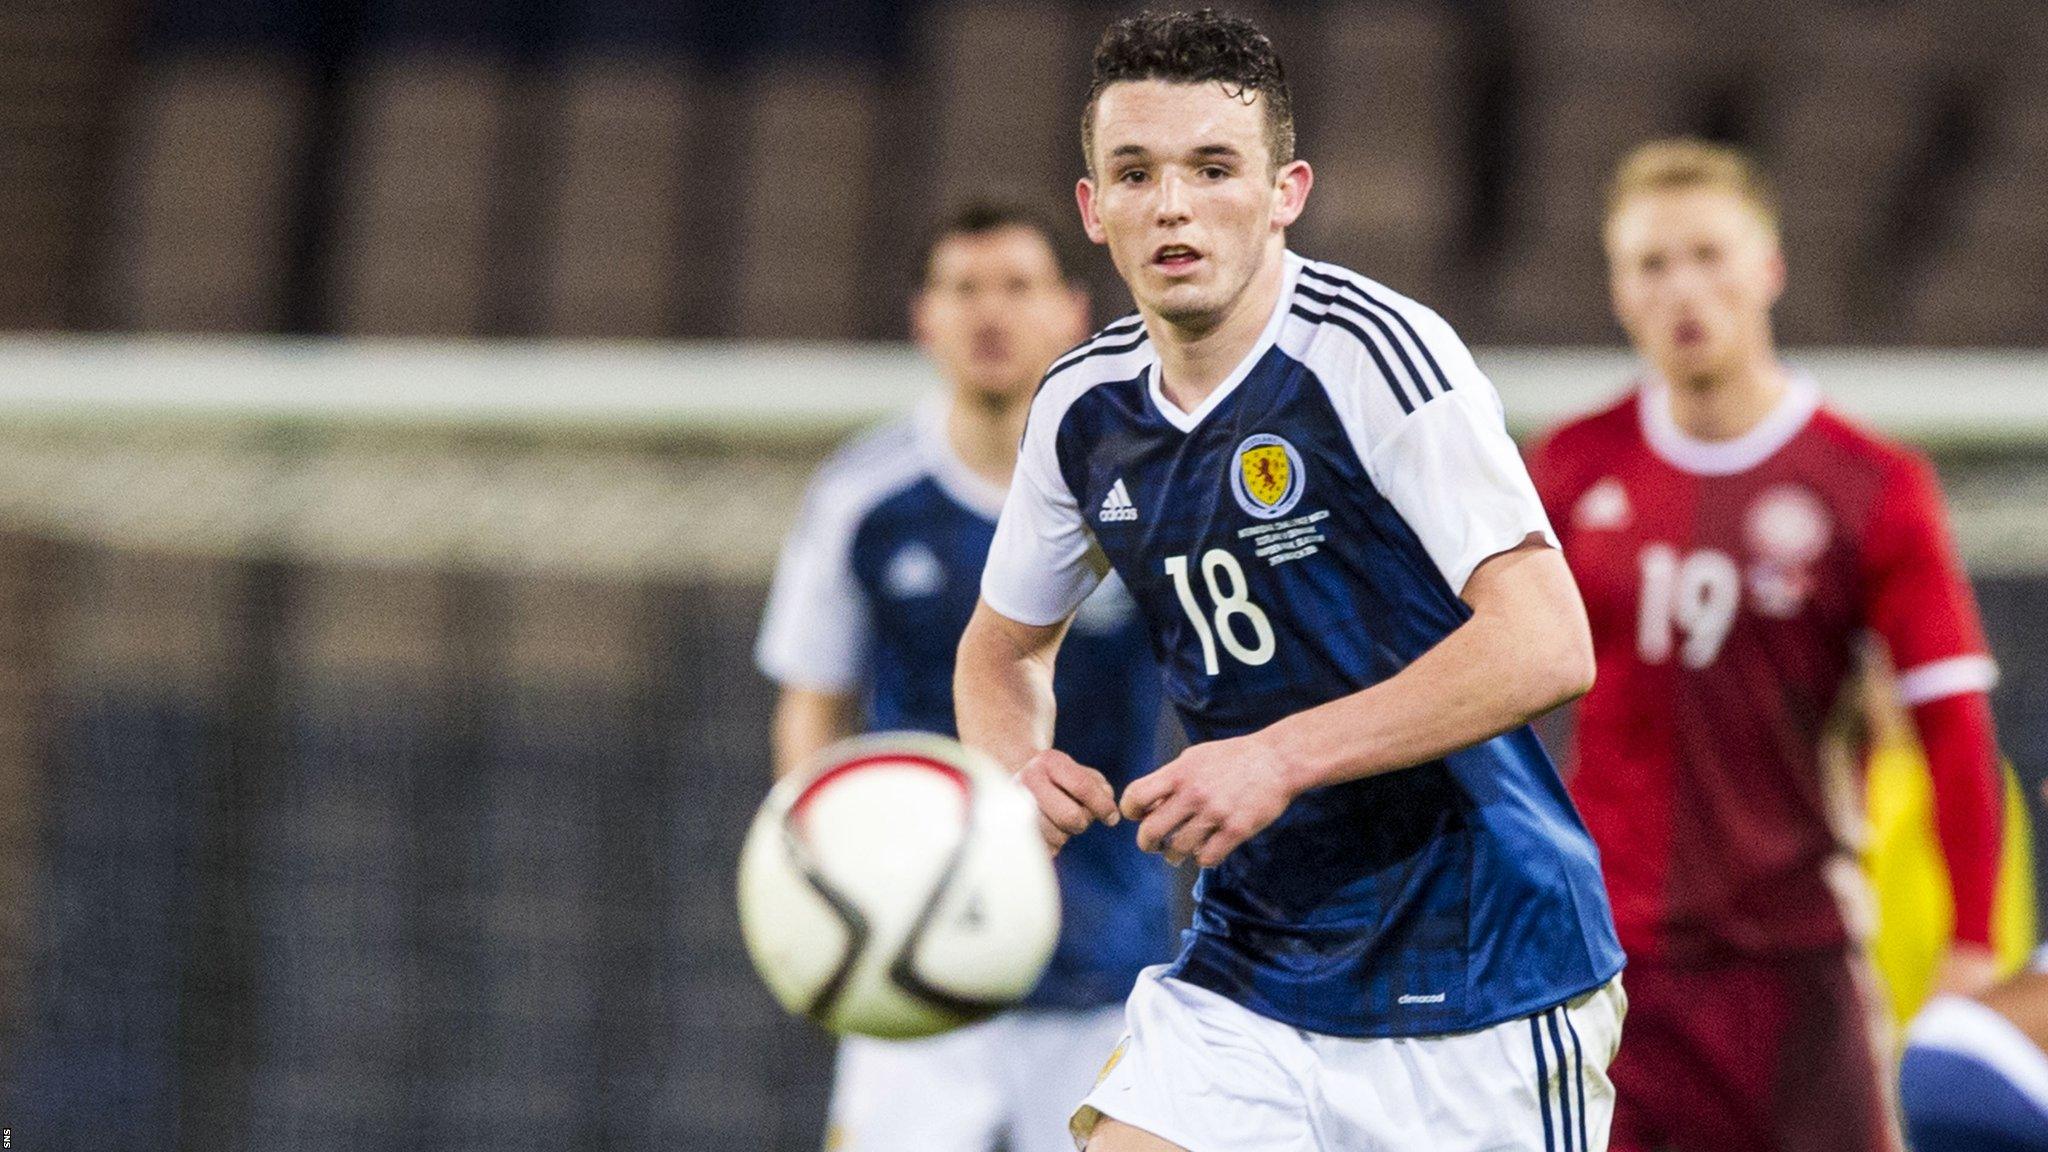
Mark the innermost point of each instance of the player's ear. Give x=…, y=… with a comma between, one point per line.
x=1292, y=183
x=1091, y=222
x=1775, y=269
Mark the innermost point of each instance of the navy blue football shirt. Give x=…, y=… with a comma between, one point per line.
x=875, y=585
x=1302, y=535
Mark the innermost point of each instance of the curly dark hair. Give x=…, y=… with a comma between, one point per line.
x=1194, y=48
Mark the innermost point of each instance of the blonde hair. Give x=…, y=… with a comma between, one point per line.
x=1683, y=164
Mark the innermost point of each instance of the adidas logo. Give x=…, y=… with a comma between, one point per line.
x=1117, y=505
x=1603, y=507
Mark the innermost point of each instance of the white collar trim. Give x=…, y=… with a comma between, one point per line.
x=968, y=488
x=1726, y=457
x=1188, y=421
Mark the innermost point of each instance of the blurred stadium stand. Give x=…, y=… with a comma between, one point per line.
x=57, y=110
x=578, y=167
x=341, y=859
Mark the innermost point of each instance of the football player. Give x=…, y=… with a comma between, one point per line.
x=1734, y=540
x=878, y=578
x=1401, y=940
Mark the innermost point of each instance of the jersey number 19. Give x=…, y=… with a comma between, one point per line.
x=1695, y=594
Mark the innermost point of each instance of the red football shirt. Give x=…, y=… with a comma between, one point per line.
x=1729, y=584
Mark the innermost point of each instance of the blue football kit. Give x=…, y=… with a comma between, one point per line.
x=875, y=585
x=1301, y=535
x=1972, y=1081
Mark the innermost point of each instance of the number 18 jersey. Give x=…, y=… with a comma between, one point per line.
x=1302, y=535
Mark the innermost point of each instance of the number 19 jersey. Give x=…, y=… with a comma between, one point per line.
x=1729, y=584
x=1302, y=535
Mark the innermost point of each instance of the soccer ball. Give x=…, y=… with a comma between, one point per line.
x=898, y=887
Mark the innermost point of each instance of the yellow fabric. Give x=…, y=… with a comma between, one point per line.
x=1915, y=912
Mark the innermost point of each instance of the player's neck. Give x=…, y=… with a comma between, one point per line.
x=985, y=432
x=1195, y=359
x=1727, y=405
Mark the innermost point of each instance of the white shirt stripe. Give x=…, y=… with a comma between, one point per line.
x=1943, y=678
x=1447, y=466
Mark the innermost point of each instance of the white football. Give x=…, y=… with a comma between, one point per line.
x=898, y=887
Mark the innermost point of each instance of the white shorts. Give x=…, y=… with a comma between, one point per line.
x=1209, y=1075
x=1012, y=1080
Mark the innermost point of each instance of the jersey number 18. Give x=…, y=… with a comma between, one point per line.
x=1236, y=602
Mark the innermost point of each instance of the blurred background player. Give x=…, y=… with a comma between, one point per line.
x=1400, y=937
x=1734, y=539
x=875, y=584
x=1975, y=1077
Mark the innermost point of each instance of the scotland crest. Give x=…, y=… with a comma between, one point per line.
x=1266, y=476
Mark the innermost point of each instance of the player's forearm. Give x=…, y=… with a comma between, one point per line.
x=1525, y=651
x=1475, y=685
x=805, y=722
x=1002, y=690
x=1962, y=762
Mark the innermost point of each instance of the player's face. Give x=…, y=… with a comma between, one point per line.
x=995, y=311
x=1184, y=193
x=1694, y=275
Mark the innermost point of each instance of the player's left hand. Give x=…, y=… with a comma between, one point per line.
x=1967, y=970
x=1209, y=799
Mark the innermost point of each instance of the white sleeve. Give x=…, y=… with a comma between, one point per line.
x=1451, y=470
x=815, y=631
x=1042, y=563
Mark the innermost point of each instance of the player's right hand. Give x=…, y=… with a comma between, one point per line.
x=1070, y=796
